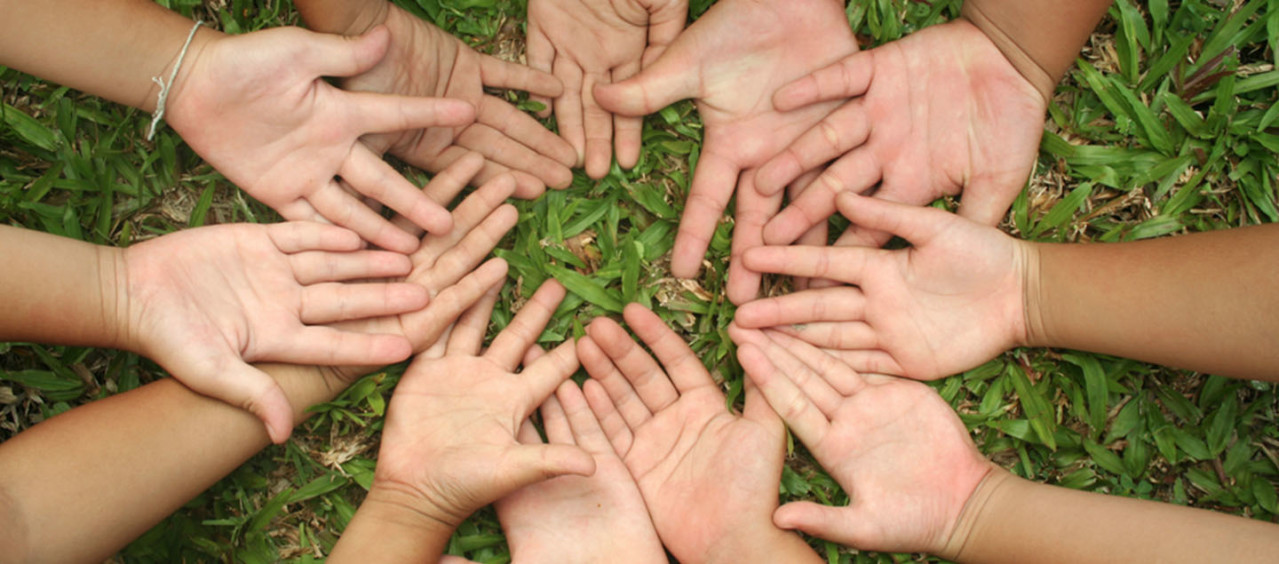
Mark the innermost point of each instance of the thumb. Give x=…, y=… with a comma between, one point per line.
x=671, y=78
x=334, y=55
x=822, y=521
x=529, y=464
x=253, y=390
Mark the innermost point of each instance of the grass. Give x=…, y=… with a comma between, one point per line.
x=1165, y=127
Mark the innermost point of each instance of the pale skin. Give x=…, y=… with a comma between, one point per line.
x=254, y=106
x=589, y=42
x=918, y=483
x=963, y=293
x=708, y=475
x=449, y=446
x=423, y=60
x=70, y=488
x=731, y=61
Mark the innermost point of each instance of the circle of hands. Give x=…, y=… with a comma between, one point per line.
x=645, y=450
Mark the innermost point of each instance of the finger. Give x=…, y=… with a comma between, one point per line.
x=842, y=335
x=624, y=401
x=669, y=79
x=753, y=211
x=301, y=236
x=371, y=112
x=496, y=73
x=450, y=559
x=327, y=346
x=467, y=335
x=598, y=127
x=330, y=302
x=527, y=435
x=830, y=523
x=254, y=391
x=315, y=266
x=757, y=409
x=685, y=369
x=475, y=211
x=495, y=142
x=510, y=345
x=448, y=183
x=343, y=209
x=713, y=184
x=430, y=160
x=815, y=237
x=869, y=362
x=522, y=128
x=796, y=409
x=424, y=328
x=586, y=429
x=568, y=107
x=857, y=172
x=838, y=133
x=987, y=203
x=837, y=374
x=858, y=236
x=664, y=26
x=525, y=465
x=919, y=225
x=815, y=388
x=611, y=421
x=540, y=54
x=849, y=77
x=555, y=422
x=532, y=354
x=641, y=371
x=627, y=131
x=372, y=177
x=846, y=264
x=543, y=376
x=809, y=306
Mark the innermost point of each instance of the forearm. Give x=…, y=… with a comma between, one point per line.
x=345, y=17
x=1041, y=38
x=109, y=49
x=389, y=527
x=83, y=484
x=1206, y=302
x=59, y=290
x=1010, y=519
x=770, y=545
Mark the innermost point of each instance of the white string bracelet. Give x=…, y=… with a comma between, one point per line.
x=164, y=87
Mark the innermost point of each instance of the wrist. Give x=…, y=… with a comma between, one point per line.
x=391, y=526
x=769, y=545
x=113, y=299
x=975, y=513
x=1043, y=80
x=344, y=17
x=1035, y=328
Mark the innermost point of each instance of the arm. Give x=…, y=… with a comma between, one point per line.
x=1205, y=301
x=1040, y=38
x=1009, y=519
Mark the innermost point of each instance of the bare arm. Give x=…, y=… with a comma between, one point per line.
x=1206, y=302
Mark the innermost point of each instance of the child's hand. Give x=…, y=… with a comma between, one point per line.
x=589, y=42
x=256, y=108
x=894, y=445
x=949, y=303
x=450, y=444
x=731, y=61
x=204, y=302
x=935, y=113
x=709, y=476
x=578, y=519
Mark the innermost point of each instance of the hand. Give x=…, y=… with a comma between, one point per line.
x=926, y=116
x=948, y=303
x=709, y=476
x=589, y=42
x=423, y=60
x=576, y=519
x=449, y=446
x=894, y=445
x=255, y=107
x=732, y=60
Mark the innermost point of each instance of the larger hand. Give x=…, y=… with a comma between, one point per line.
x=732, y=60
x=899, y=451
x=256, y=108
x=950, y=302
x=423, y=60
x=589, y=42
x=709, y=476
x=927, y=116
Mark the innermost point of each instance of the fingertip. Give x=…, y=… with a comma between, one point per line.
x=778, y=231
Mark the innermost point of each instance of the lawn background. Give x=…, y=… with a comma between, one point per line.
x=1164, y=127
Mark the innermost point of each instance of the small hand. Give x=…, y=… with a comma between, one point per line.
x=894, y=445
x=578, y=519
x=204, y=302
x=589, y=42
x=732, y=60
x=948, y=303
x=450, y=444
x=709, y=476
x=424, y=60
x=255, y=107
x=926, y=116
